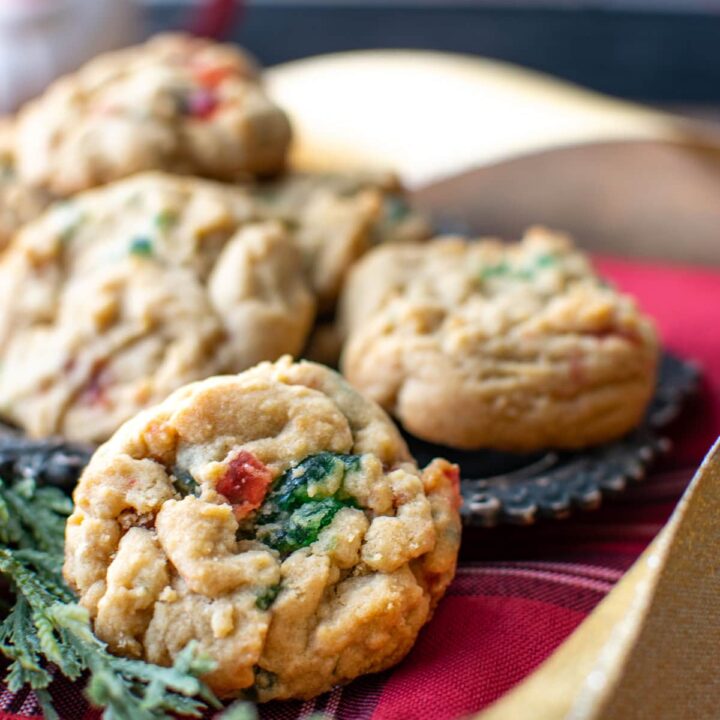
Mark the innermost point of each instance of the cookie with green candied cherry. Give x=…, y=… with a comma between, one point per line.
x=275, y=518
x=175, y=103
x=111, y=300
x=517, y=346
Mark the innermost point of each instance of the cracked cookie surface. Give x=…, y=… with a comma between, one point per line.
x=277, y=518
x=510, y=346
x=111, y=300
x=177, y=103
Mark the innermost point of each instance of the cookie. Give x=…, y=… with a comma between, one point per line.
x=19, y=202
x=176, y=103
x=482, y=344
x=274, y=517
x=111, y=300
x=336, y=218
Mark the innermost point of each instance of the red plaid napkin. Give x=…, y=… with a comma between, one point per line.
x=520, y=592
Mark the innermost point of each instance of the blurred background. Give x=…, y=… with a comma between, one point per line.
x=487, y=148
x=660, y=51
x=653, y=193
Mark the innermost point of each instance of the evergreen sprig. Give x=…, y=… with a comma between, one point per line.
x=45, y=625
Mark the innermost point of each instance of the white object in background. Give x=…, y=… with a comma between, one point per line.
x=42, y=39
x=432, y=115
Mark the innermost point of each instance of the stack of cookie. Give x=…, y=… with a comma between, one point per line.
x=169, y=242
x=175, y=246
x=154, y=239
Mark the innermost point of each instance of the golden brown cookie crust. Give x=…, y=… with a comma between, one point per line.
x=481, y=344
x=285, y=616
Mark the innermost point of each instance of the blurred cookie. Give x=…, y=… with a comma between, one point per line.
x=113, y=299
x=337, y=217
x=324, y=344
x=176, y=103
x=482, y=344
x=19, y=202
x=274, y=517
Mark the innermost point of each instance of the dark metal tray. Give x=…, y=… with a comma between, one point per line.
x=510, y=488
x=497, y=488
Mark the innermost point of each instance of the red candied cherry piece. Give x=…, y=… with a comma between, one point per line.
x=202, y=103
x=95, y=390
x=245, y=483
x=212, y=75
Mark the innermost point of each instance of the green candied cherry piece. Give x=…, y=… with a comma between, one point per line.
x=302, y=527
x=545, y=260
x=504, y=269
x=141, y=246
x=396, y=208
x=184, y=482
x=314, y=478
x=166, y=219
x=498, y=270
x=266, y=597
x=304, y=500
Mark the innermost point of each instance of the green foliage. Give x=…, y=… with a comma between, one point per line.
x=240, y=710
x=304, y=500
x=45, y=625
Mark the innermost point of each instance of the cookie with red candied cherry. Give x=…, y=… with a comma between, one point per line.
x=176, y=103
x=275, y=518
x=111, y=300
x=511, y=346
